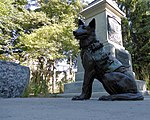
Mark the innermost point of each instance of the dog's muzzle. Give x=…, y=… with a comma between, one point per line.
x=74, y=33
x=80, y=36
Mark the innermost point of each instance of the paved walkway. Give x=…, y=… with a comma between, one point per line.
x=65, y=109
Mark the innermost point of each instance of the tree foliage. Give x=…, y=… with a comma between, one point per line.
x=136, y=34
x=49, y=28
x=7, y=14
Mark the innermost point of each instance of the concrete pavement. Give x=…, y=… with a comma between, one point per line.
x=66, y=109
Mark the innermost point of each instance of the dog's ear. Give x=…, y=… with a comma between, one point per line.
x=92, y=23
x=80, y=22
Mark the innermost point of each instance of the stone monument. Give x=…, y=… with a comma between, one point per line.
x=14, y=78
x=108, y=31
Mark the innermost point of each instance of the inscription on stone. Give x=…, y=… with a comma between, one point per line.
x=114, y=30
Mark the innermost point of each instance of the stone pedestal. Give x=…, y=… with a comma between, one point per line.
x=108, y=31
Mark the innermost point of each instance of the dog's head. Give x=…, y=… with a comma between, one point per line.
x=84, y=31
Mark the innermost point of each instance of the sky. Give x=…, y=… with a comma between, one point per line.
x=89, y=0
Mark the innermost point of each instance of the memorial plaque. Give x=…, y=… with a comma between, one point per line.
x=114, y=30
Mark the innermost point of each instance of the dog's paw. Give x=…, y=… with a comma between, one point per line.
x=79, y=98
x=106, y=98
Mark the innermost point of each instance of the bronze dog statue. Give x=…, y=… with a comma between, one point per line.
x=102, y=66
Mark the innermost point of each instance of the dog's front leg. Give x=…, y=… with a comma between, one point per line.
x=87, y=86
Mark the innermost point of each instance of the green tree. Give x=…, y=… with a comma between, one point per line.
x=136, y=34
x=7, y=14
x=53, y=40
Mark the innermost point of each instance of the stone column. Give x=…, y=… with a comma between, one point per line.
x=108, y=28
